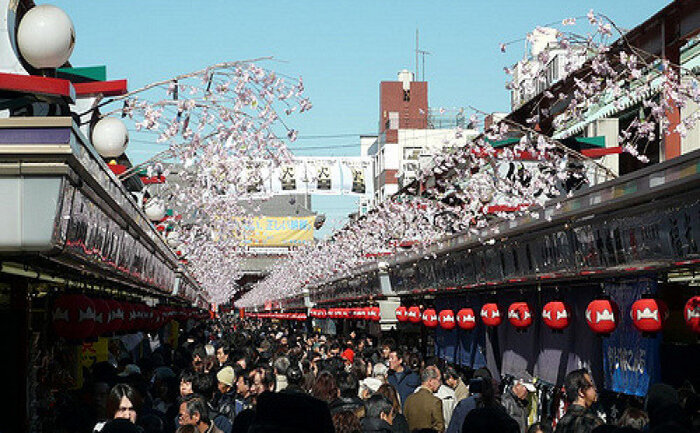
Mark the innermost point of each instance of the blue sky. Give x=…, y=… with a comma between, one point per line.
x=342, y=49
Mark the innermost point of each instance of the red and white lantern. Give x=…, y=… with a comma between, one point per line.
x=556, y=315
x=447, y=319
x=602, y=316
x=466, y=319
x=414, y=315
x=520, y=315
x=375, y=314
x=73, y=316
x=401, y=314
x=491, y=314
x=116, y=316
x=649, y=314
x=321, y=313
x=691, y=313
x=101, y=316
x=430, y=318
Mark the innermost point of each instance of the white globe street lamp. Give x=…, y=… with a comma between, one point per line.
x=46, y=37
x=110, y=137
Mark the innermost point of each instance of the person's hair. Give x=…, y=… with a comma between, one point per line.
x=196, y=404
x=203, y=384
x=633, y=417
x=450, y=373
x=540, y=427
x=414, y=361
x=294, y=375
x=267, y=378
x=187, y=376
x=399, y=352
x=359, y=368
x=115, y=397
x=430, y=372
x=574, y=382
x=389, y=392
x=346, y=422
x=377, y=405
x=225, y=348
x=347, y=384
x=281, y=364
x=189, y=428
x=325, y=387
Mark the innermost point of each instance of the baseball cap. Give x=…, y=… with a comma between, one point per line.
x=526, y=380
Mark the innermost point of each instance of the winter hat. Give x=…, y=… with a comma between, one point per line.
x=226, y=376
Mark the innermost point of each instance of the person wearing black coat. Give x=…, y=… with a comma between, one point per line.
x=379, y=415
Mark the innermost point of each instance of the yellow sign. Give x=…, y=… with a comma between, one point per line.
x=277, y=231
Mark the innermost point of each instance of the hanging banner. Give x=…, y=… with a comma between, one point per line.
x=630, y=360
x=310, y=175
x=277, y=231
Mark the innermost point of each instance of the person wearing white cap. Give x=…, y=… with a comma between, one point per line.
x=515, y=399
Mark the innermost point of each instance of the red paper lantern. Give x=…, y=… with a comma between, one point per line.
x=345, y=313
x=129, y=316
x=430, y=318
x=401, y=314
x=648, y=314
x=73, y=316
x=116, y=316
x=466, y=319
x=413, y=314
x=556, y=315
x=322, y=314
x=447, y=319
x=490, y=314
x=375, y=313
x=602, y=316
x=520, y=315
x=102, y=317
x=691, y=312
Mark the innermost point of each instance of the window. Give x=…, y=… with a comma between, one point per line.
x=407, y=95
x=393, y=120
x=412, y=153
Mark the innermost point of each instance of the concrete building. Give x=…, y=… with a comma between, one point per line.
x=409, y=135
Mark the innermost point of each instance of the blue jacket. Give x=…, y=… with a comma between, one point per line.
x=405, y=383
x=459, y=414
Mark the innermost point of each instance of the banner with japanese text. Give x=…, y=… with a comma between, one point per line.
x=277, y=231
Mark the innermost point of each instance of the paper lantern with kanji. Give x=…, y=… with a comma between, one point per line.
x=447, y=319
x=101, y=316
x=602, y=316
x=691, y=313
x=345, y=313
x=116, y=316
x=73, y=316
x=414, y=315
x=430, y=318
x=401, y=314
x=466, y=319
x=490, y=314
x=520, y=315
x=556, y=315
x=375, y=314
x=648, y=314
x=321, y=313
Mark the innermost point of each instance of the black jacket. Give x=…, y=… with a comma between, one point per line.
x=578, y=419
x=375, y=425
x=346, y=404
x=226, y=404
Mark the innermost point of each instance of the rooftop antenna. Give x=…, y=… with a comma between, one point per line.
x=422, y=54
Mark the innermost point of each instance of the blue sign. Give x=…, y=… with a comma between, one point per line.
x=630, y=360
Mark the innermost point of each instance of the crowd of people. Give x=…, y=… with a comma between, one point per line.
x=250, y=376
